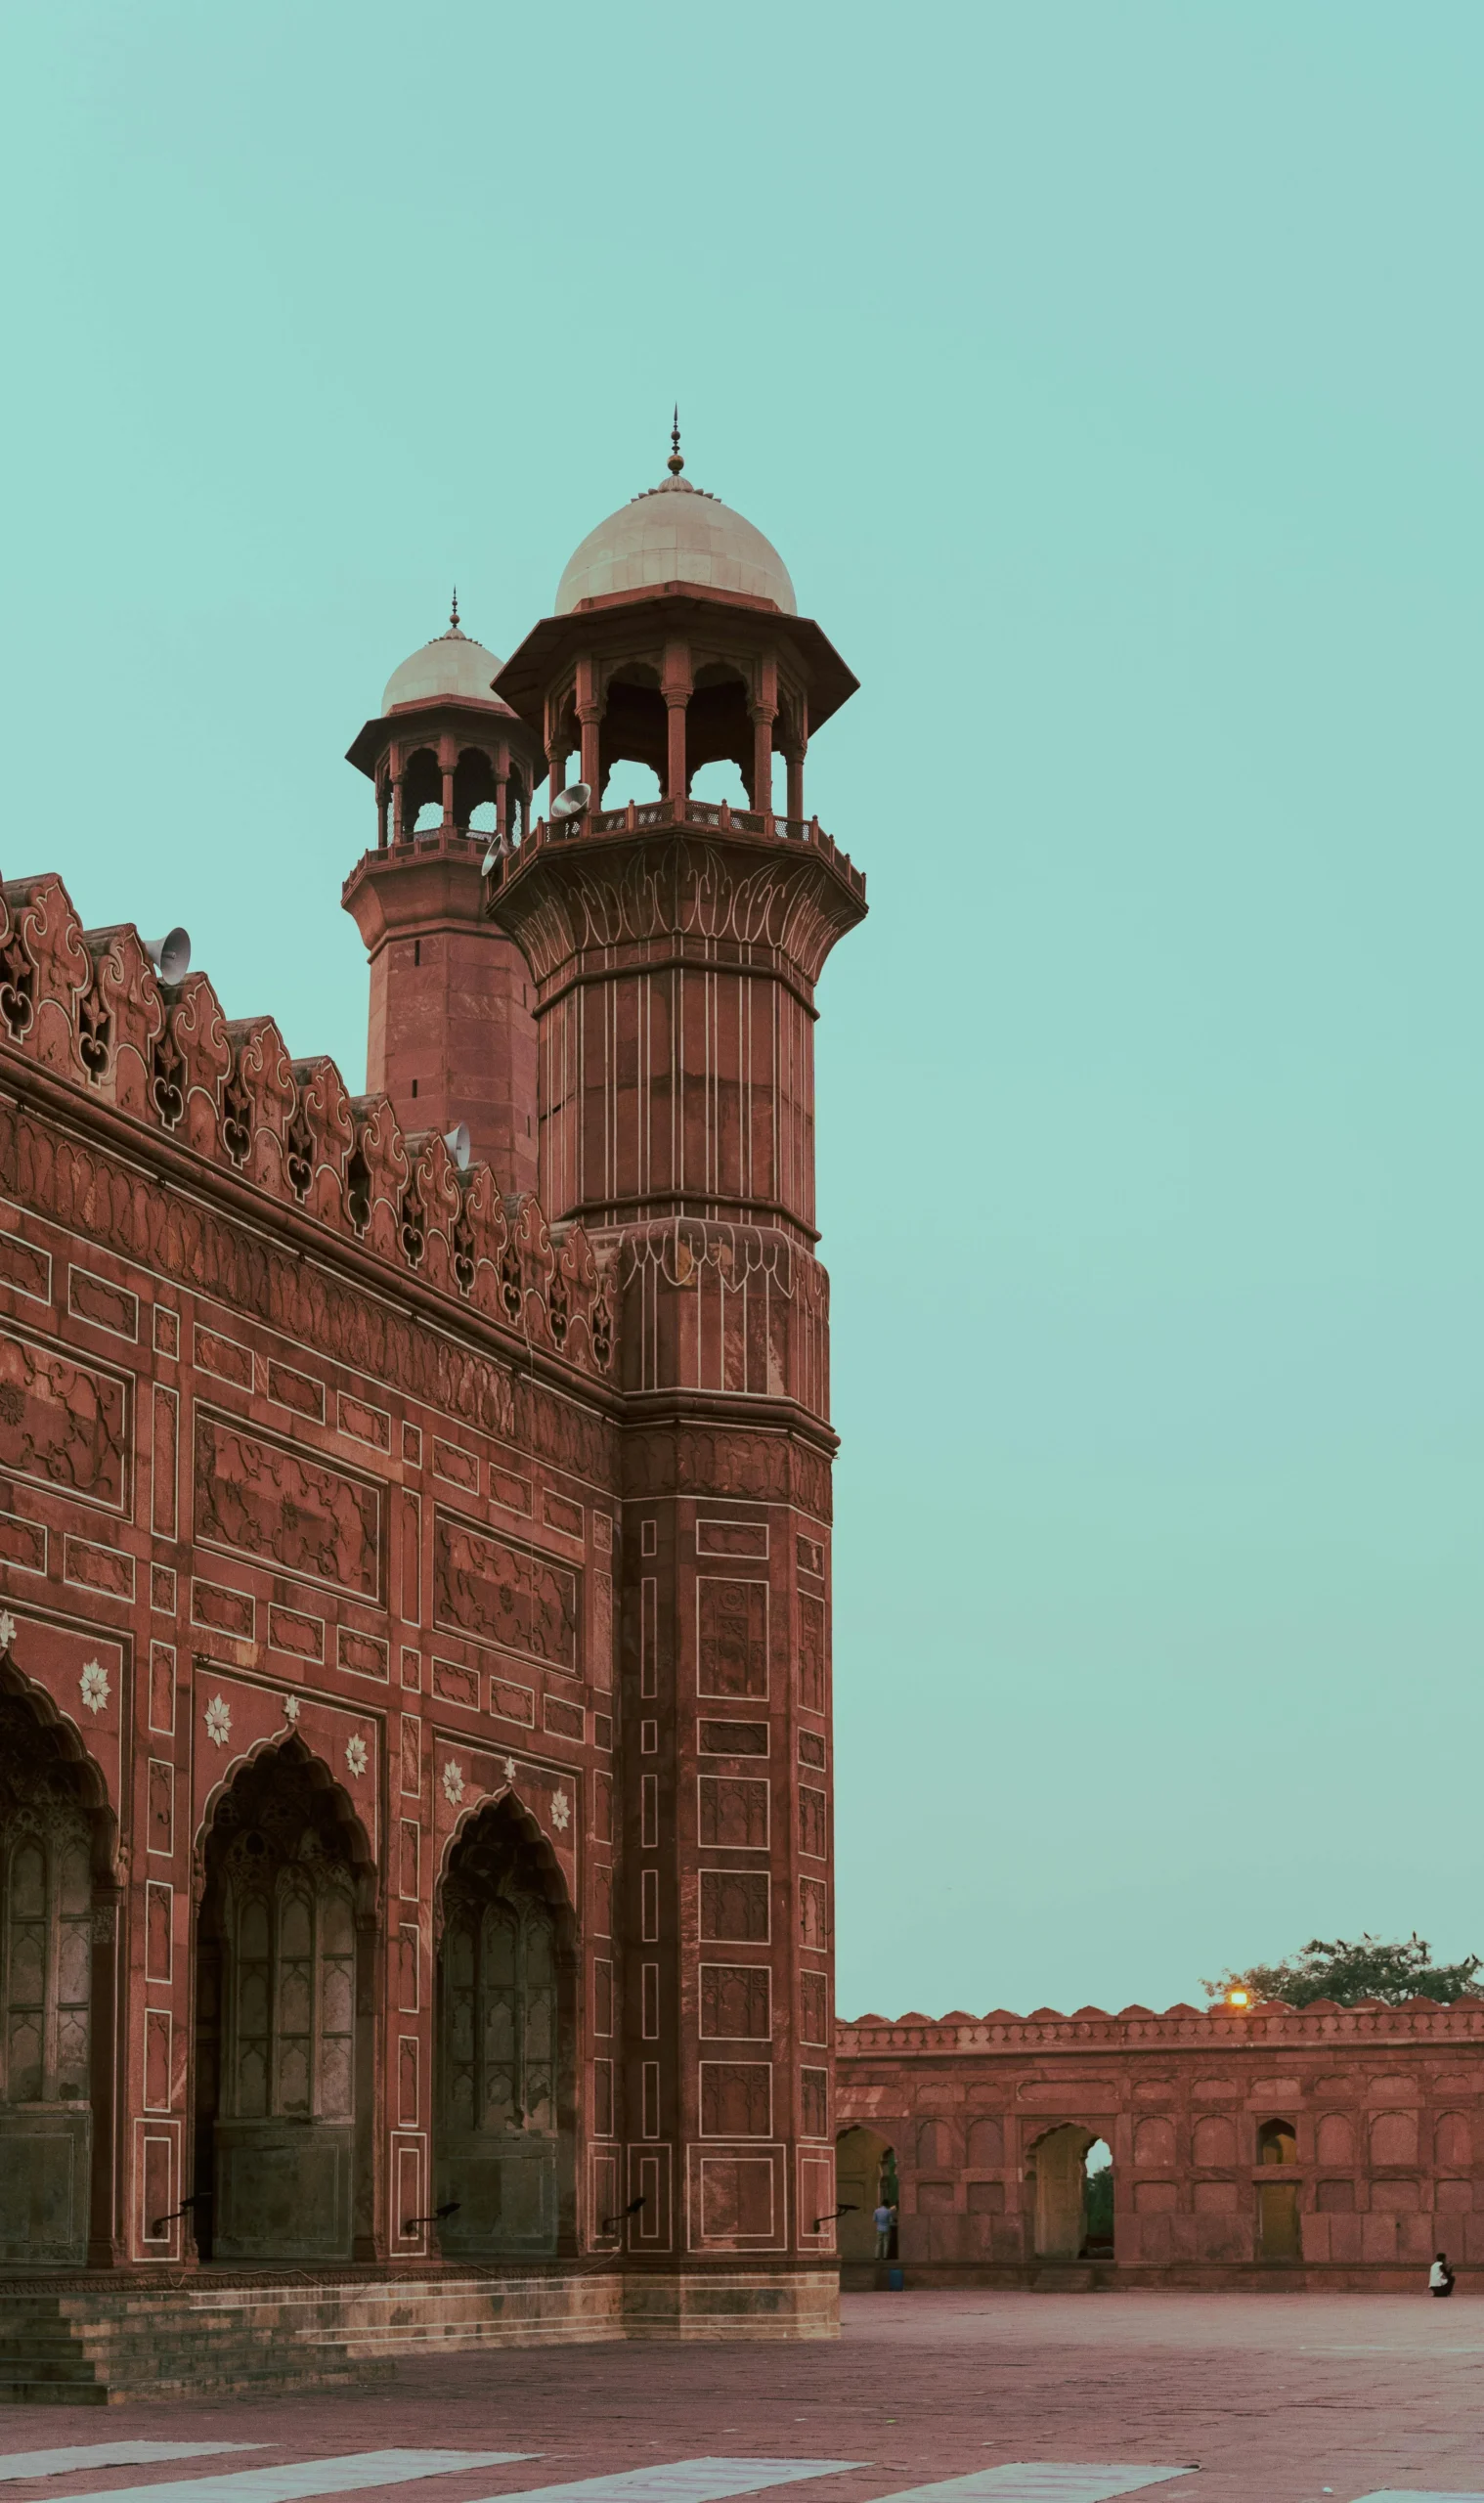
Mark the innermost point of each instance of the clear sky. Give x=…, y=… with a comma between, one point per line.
x=1109, y=379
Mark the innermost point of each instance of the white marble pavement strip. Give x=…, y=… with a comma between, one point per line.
x=88, y=2455
x=1417, y=2494
x=705, y=2481
x=300, y=2479
x=1040, y=2482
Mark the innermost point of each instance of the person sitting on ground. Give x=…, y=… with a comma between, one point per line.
x=1440, y=2276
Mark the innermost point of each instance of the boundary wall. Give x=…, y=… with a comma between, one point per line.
x=1275, y=2146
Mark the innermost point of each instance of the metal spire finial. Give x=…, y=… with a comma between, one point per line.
x=677, y=461
x=453, y=612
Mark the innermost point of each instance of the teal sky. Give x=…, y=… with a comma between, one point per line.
x=1109, y=377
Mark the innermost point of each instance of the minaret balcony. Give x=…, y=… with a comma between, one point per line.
x=683, y=817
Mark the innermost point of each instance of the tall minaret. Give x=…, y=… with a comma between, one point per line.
x=451, y=1035
x=675, y=947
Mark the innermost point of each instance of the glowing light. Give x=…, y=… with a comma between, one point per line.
x=1239, y=1999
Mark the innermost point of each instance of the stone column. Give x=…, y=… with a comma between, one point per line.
x=795, y=760
x=590, y=715
x=676, y=688
x=764, y=716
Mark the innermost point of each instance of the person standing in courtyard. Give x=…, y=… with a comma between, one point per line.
x=883, y=2219
x=1440, y=2276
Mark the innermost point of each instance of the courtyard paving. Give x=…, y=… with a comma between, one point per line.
x=1037, y=2399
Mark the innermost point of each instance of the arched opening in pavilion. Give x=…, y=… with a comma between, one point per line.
x=54, y=1881
x=865, y=2178
x=504, y=2070
x=421, y=793
x=284, y=2042
x=475, y=792
x=1065, y=2202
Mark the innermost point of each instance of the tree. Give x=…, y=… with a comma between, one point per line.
x=1343, y=1970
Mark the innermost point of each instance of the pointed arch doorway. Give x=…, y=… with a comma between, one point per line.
x=504, y=2085
x=284, y=2042
x=57, y=1902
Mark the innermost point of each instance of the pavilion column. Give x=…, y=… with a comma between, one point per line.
x=676, y=688
x=795, y=760
x=764, y=717
x=590, y=718
x=447, y=759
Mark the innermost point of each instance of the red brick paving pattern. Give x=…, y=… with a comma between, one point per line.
x=1276, y=2398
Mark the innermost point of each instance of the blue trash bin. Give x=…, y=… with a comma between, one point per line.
x=896, y=2281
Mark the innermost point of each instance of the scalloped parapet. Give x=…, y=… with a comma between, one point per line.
x=89, y=1008
x=1270, y=2020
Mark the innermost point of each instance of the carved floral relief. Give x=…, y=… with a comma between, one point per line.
x=501, y=1594
x=284, y=1507
x=61, y=1422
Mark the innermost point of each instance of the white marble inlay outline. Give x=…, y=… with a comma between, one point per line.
x=702, y=2481
x=1042, y=2482
x=296, y=2479
x=91, y=2455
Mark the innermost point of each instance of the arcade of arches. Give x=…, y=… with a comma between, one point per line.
x=285, y=2074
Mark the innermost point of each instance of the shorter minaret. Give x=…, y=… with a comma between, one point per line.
x=451, y=1035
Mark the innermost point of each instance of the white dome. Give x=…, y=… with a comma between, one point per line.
x=453, y=664
x=675, y=532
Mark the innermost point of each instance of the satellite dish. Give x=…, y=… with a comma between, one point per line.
x=493, y=857
x=171, y=956
x=459, y=1144
x=574, y=802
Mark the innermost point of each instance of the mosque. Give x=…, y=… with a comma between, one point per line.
x=415, y=1896
x=416, y=1879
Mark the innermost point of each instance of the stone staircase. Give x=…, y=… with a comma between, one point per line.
x=89, y=2342
x=90, y=2348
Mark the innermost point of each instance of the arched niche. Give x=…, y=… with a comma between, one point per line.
x=57, y=1927
x=865, y=2178
x=284, y=2042
x=504, y=2064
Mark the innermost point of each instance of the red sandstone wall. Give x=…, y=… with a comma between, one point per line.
x=270, y=1462
x=301, y=1430
x=1387, y=2105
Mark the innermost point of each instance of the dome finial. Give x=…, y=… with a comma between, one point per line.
x=677, y=461
x=454, y=611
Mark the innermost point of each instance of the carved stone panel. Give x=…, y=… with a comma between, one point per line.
x=736, y=2002
x=487, y=1587
x=281, y=1506
x=732, y=1637
x=60, y=1422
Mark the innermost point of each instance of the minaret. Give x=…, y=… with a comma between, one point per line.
x=451, y=1035
x=675, y=947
